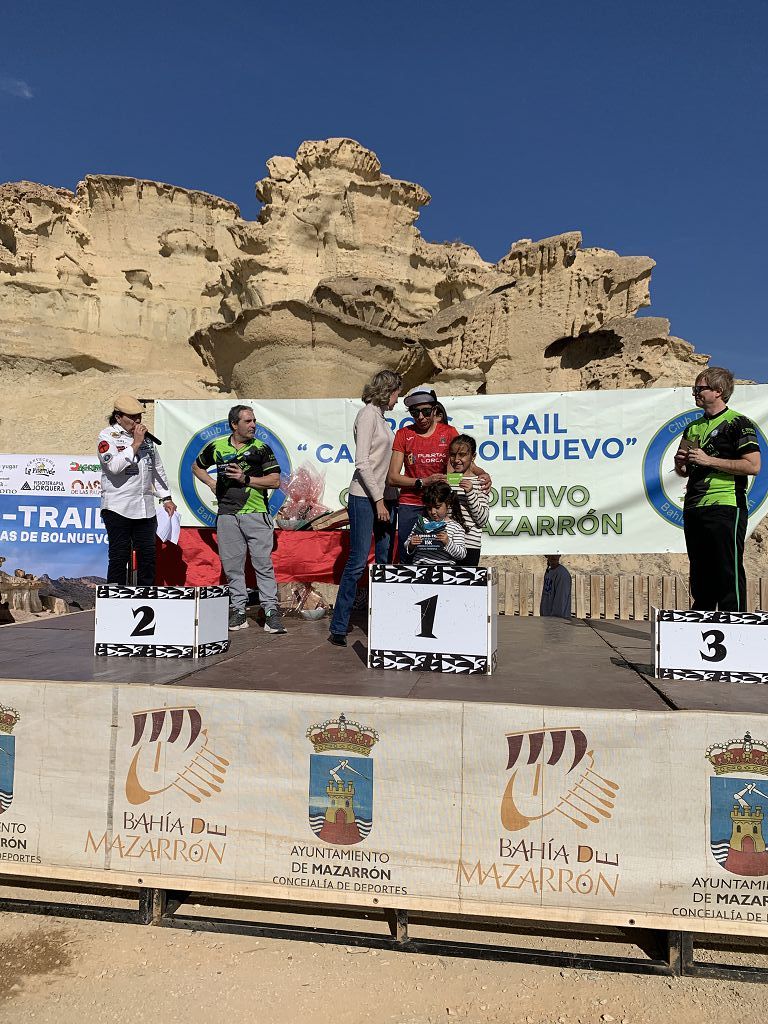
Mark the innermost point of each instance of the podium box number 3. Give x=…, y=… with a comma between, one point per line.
x=725, y=647
x=432, y=618
x=161, y=622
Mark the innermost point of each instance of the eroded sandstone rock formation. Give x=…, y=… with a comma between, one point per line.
x=128, y=285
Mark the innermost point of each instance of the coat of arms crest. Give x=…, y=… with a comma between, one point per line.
x=340, y=786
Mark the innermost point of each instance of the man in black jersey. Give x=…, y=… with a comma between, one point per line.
x=717, y=453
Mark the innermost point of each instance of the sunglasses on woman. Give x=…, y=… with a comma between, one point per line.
x=424, y=411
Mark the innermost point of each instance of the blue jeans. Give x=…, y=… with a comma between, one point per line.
x=363, y=525
x=406, y=518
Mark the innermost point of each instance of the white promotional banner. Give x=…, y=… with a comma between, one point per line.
x=49, y=515
x=77, y=475
x=566, y=814
x=576, y=472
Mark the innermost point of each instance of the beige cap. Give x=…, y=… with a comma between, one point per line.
x=128, y=404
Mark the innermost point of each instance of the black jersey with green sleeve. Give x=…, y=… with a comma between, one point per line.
x=254, y=458
x=729, y=435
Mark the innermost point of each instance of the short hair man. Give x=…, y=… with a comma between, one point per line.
x=246, y=470
x=556, y=591
x=717, y=453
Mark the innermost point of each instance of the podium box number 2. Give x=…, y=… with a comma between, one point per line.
x=724, y=647
x=161, y=622
x=432, y=618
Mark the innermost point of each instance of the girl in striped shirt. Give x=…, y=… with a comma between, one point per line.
x=473, y=501
x=438, y=536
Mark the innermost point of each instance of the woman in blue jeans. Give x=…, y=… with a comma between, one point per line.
x=371, y=503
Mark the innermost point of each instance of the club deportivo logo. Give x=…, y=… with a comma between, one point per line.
x=545, y=780
x=738, y=798
x=171, y=749
x=341, y=787
x=212, y=432
x=664, y=488
x=8, y=719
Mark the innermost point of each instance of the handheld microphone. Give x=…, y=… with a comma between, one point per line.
x=152, y=438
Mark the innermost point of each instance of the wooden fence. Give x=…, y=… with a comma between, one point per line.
x=611, y=597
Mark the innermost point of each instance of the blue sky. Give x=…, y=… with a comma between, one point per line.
x=643, y=126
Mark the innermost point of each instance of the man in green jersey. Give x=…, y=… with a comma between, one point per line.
x=717, y=453
x=246, y=470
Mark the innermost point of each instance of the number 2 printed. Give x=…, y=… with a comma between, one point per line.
x=146, y=623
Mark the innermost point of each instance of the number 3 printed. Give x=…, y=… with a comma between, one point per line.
x=713, y=638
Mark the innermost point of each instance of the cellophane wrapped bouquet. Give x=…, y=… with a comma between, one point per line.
x=304, y=492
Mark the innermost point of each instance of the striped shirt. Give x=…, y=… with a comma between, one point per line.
x=475, y=511
x=453, y=551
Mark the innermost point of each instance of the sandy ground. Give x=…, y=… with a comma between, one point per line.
x=54, y=971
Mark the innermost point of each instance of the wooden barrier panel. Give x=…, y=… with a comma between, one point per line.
x=620, y=596
x=451, y=807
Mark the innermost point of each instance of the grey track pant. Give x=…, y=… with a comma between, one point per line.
x=251, y=533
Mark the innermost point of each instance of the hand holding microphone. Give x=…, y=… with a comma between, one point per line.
x=141, y=433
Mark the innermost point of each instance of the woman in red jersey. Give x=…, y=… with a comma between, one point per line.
x=419, y=458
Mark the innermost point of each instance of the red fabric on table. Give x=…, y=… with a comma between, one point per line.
x=301, y=556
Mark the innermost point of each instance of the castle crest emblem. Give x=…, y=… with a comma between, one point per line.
x=341, y=781
x=8, y=719
x=738, y=801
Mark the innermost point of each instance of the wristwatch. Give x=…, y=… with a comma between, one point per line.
x=163, y=500
x=418, y=486
x=246, y=480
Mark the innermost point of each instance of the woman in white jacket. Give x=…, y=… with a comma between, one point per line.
x=371, y=503
x=132, y=479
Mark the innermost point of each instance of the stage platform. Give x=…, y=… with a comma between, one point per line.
x=549, y=662
x=274, y=776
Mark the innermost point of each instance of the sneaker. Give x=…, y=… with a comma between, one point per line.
x=273, y=623
x=237, y=620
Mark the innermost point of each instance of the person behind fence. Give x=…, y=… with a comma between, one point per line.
x=717, y=453
x=246, y=469
x=132, y=477
x=473, y=499
x=439, y=535
x=556, y=591
x=371, y=503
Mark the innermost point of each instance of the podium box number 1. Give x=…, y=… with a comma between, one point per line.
x=724, y=647
x=432, y=618
x=161, y=622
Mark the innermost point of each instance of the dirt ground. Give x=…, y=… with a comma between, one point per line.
x=55, y=971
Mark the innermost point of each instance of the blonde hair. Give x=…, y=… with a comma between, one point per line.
x=719, y=379
x=380, y=387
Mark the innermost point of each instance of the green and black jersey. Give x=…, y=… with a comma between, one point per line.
x=729, y=435
x=254, y=458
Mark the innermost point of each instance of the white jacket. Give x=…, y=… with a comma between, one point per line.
x=130, y=479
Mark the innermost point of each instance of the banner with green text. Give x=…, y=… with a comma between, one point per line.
x=575, y=472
